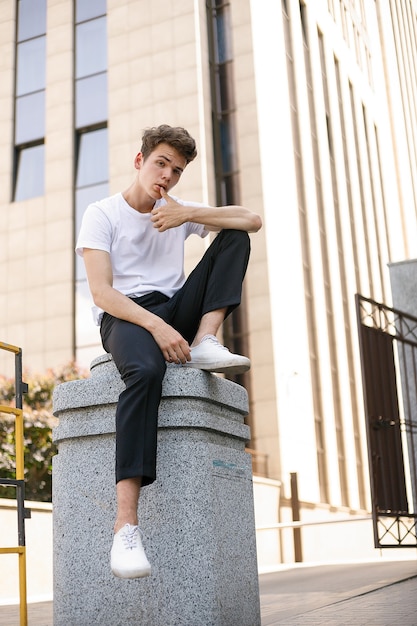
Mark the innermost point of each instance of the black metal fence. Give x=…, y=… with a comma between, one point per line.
x=388, y=348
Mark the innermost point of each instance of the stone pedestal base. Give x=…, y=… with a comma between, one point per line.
x=197, y=518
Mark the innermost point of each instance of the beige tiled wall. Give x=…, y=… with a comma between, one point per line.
x=37, y=262
x=264, y=419
x=158, y=72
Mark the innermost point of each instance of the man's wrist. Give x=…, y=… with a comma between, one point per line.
x=151, y=322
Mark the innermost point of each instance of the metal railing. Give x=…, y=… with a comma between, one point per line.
x=388, y=349
x=259, y=462
x=18, y=481
x=339, y=520
x=298, y=525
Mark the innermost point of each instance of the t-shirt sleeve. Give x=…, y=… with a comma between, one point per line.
x=95, y=231
x=196, y=229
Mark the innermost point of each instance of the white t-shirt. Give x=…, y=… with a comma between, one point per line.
x=143, y=259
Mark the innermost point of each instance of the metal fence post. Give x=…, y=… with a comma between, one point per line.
x=295, y=508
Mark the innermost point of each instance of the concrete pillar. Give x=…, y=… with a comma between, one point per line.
x=197, y=518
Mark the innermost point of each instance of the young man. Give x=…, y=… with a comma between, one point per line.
x=133, y=249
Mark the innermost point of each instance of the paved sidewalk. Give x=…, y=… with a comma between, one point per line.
x=39, y=614
x=381, y=593
x=389, y=606
x=377, y=593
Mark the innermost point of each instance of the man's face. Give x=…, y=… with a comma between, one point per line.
x=162, y=168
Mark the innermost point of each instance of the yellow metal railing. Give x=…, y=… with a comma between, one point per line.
x=18, y=482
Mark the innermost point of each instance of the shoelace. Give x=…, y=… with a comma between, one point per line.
x=129, y=537
x=212, y=339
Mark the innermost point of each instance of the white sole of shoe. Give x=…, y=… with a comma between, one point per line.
x=135, y=574
x=220, y=368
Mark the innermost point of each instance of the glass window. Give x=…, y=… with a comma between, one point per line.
x=91, y=178
x=223, y=28
x=85, y=355
x=225, y=87
x=91, y=47
x=30, y=117
x=84, y=197
x=86, y=10
x=91, y=100
x=30, y=172
x=227, y=141
x=31, y=65
x=92, y=162
x=31, y=18
x=87, y=331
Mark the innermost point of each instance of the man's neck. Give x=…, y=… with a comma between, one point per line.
x=140, y=202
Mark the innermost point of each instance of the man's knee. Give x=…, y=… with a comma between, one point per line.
x=238, y=238
x=146, y=374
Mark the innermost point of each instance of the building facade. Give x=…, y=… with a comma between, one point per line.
x=304, y=111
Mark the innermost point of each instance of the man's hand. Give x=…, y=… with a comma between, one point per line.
x=173, y=214
x=100, y=277
x=170, y=215
x=172, y=345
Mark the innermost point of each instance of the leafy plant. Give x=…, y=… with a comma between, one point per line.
x=38, y=423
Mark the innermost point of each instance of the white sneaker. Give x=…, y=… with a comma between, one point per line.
x=128, y=558
x=211, y=356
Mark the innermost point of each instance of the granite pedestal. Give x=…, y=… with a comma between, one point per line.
x=197, y=518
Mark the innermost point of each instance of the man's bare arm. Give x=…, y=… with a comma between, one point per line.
x=234, y=217
x=100, y=278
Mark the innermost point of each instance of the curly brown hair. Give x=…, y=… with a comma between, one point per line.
x=175, y=136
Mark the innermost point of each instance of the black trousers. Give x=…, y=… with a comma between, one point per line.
x=215, y=283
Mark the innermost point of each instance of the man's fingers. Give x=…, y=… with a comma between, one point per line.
x=176, y=359
x=164, y=194
x=179, y=354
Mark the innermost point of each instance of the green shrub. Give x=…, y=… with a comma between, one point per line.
x=38, y=423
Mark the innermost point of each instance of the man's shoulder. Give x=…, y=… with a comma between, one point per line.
x=108, y=203
x=107, y=209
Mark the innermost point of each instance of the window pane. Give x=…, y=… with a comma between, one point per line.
x=91, y=47
x=84, y=356
x=223, y=30
x=85, y=10
x=91, y=100
x=87, y=333
x=30, y=173
x=84, y=197
x=227, y=141
x=92, y=165
x=225, y=87
x=31, y=62
x=30, y=117
x=31, y=18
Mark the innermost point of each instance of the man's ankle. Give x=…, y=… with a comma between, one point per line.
x=122, y=522
x=199, y=338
